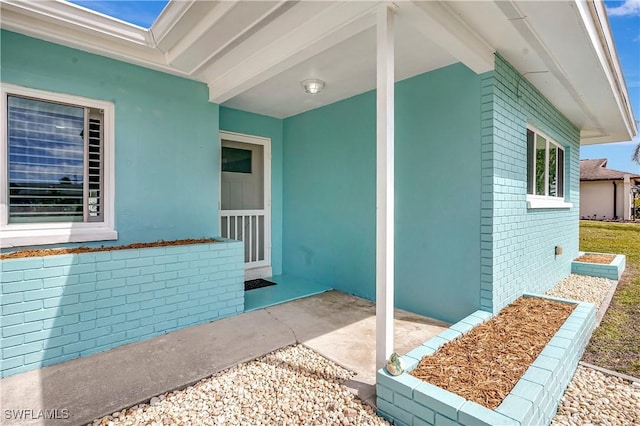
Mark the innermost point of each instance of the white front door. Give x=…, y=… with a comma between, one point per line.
x=245, y=198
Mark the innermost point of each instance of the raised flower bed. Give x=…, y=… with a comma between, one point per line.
x=63, y=306
x=592, y=264
x=407, y=400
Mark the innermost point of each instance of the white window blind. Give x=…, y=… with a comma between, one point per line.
x=95, y=166
x=55, y=161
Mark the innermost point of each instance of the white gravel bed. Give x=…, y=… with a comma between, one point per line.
x=291, y=386
x=582, y=288
x=593, y=398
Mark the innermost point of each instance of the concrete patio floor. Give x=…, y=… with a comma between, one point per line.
x=339, y=326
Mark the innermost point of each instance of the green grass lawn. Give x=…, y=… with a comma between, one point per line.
x=616, y=343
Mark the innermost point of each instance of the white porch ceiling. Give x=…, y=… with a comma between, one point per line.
x=348, y=69
x=253, y=55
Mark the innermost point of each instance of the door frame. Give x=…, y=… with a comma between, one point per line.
x=261, y=271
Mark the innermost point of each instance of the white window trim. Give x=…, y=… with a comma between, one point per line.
x=542, y=202
x=23, y=234
x=547, y=201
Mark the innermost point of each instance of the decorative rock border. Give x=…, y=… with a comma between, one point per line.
x=407, y=400
x=613, y=271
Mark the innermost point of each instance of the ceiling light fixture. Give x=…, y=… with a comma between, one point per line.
x=313, y=85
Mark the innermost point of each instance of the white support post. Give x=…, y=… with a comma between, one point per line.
x=384, y=185
x=626, y=197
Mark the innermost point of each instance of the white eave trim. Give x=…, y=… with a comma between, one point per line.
x=73, y=17
x=594, y=16
x=69, y=25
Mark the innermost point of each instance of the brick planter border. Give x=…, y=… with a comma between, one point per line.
x=409, y=401
x=60, y=307
x=613, y=271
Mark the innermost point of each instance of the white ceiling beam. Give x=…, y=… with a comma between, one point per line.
x=436, y=21
x=335, y=24
x=169, y=19
x=248, y=30
x=197, y=30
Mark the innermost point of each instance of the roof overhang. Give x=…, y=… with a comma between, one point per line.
x=252, y=55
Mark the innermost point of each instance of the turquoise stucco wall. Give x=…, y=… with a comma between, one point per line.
x=329, y=187
x=438, y=193
x=166, y=136
x=329, y=195
x=518, y=243
x=234, y=120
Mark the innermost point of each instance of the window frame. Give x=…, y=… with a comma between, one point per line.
x=23, y=234
x=535, y=201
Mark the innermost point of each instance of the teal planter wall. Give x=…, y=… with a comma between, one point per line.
x=234, y=120
x=57, y=308
x=329, y=187
x=533, y=400
x=166, y=141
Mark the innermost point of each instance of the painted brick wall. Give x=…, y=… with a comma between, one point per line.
x=57, y=308
x=517, y=243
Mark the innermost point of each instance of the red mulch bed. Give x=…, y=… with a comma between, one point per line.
x=485, y=364
x=52, y=252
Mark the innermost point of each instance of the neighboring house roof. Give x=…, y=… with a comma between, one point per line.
x=597, y=170
x=253, y=55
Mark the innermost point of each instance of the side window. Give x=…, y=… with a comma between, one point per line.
x=545, y=166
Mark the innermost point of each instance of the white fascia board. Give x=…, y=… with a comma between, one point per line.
x=71, y=18
x=436, y=21
x=121, y=41
x=336, y=24
x=596, y=25
x=589, y=138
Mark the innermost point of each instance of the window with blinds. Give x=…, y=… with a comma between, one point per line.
x=55, y=161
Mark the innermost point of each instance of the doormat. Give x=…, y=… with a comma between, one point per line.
x=258, y=283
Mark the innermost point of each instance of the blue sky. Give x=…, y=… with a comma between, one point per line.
x=140, y=12
x=624, y=17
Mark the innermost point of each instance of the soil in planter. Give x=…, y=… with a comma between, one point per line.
x=486, y=363
x=52, y=252
x=604, y=259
